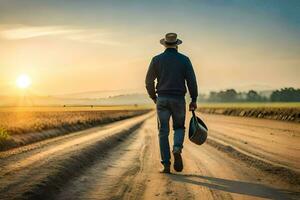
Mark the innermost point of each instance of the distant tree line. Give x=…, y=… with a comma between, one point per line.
x=231, y=95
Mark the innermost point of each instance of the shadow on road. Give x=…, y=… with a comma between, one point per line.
x=239, y=187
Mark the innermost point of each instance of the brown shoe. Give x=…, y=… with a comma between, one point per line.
x=165, y=169
x=178, y=165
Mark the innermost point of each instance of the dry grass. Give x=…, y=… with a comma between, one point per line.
x=3, y=134
x=24, y=120
x=252, y=105
x=277, y=111
x=73, y=108
x=24, y=125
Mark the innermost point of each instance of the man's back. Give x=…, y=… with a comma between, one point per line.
x=171, y=69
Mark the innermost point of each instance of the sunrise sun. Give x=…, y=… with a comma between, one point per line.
x=23, y=81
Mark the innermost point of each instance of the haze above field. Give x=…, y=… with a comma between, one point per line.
x=68, y=47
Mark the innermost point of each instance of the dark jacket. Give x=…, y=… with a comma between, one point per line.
x=172, y=70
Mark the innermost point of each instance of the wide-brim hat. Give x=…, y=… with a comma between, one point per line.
x=170, y=40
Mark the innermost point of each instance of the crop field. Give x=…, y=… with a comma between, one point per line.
x=251, y=105
x=17, y=122
x=277, y=111
x=73, y=108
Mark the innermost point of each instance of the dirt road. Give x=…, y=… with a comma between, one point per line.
x=121, y=161
x=274, y=141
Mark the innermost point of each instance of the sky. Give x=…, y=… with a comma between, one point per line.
x=92, y=45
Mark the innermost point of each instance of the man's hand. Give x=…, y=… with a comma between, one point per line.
x=193, y=106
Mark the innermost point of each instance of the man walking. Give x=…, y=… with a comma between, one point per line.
x=172, y=71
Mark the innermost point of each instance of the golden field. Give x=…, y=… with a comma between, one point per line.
x=16, y=122
x=278, y=111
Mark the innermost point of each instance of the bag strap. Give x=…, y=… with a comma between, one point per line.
x=194, y=115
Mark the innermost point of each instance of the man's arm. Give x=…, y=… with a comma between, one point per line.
x=150, y=77
x=192, y=85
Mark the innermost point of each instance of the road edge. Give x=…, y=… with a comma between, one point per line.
x=73, y=166
x=284, y=173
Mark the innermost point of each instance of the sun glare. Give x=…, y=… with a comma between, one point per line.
x=23, y=81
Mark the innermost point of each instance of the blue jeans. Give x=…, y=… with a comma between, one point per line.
x=167, y=107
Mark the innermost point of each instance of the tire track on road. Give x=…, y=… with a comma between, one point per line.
x=42, y=176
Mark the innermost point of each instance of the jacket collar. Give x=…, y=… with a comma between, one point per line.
x=171, y=50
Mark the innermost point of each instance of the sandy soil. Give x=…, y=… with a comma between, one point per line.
x=274, y=141
x=121, y=162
